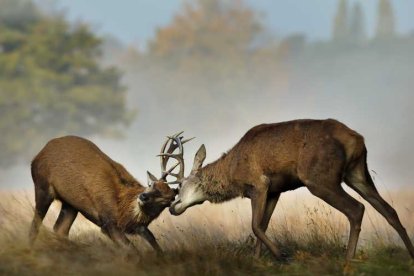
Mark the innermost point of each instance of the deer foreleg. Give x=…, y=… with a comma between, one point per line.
x=258, y=199
x=270, y=207
x=119, y=238
x=147, y=234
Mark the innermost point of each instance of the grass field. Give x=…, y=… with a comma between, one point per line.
x=211, y=239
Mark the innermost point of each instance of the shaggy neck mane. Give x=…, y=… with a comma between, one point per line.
x=129, y=208
x=216, y=182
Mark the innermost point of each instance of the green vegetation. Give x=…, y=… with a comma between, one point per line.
x=51, y=82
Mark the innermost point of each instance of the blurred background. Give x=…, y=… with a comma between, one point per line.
x=127, y=73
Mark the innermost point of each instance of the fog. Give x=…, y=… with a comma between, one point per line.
x=366, y=84
x=373, y=97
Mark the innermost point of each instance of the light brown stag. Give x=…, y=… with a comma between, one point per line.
x=76, y=172
x=274, y=158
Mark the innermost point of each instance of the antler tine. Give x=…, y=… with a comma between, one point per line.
x=169, y=172
x=175, y=141
x=180, y=157
x=176, y=135
x=169, y=153
x=187, y=140
x=166, y=155
x=173, y=182
x=171, y=149
x=163, y=149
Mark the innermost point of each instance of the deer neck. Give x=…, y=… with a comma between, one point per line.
x=130, y=213
x=216, y=182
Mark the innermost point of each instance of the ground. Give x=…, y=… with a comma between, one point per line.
x=210, y=240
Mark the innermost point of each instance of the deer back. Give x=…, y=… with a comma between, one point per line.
x=279, y=148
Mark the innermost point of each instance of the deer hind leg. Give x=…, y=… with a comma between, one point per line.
x=65, y=219
x=360, y=180
x=43, y=200
x=270, y=207
x=350, y=207
x=321, y=171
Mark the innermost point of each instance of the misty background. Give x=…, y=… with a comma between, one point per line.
x=211, y=68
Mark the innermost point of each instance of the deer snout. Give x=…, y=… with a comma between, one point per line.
x=172, y=211
x=175, y=209
x=144, y=197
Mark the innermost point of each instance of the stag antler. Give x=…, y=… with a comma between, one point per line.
x=175, y=141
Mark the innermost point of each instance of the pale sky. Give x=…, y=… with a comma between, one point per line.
x=136, y=20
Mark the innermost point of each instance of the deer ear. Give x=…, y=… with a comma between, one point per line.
x=199, y=159
x=150, y=178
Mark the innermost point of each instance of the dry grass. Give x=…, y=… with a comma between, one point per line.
x=210, y=239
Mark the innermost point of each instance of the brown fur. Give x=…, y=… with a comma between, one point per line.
x=75, y=171
x=274, y=158
x=277, y=151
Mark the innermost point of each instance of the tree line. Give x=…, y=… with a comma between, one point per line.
x=51, y=81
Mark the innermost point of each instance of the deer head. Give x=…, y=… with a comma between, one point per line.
x=159, y=193
x=191, y=192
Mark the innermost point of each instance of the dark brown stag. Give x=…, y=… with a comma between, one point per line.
x=76, y=172
x=274, y=158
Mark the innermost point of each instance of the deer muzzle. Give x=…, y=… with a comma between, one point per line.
x=177, y=208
